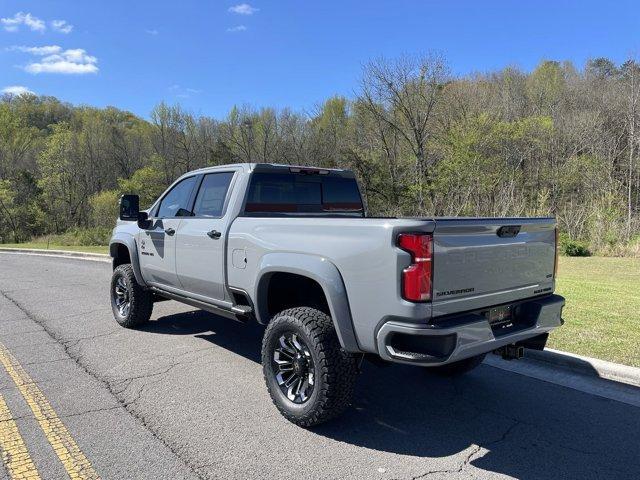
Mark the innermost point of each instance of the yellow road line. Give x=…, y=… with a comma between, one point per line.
x=73, y=460
x=14, y=452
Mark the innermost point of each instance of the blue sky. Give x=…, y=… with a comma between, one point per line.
x=208, y=55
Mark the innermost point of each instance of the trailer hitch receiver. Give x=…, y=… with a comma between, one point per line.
x=510, y=352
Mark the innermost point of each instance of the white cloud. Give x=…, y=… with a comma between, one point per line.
x=12, y=24
x=61, y=26
x=152, y=32
x=16, y=90
x=55, y=60
x=243, y=9
x=46, y=50
x=237, y=28
x=182, y=92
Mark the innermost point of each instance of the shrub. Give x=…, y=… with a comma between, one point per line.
x=96, y=236
x=148, y=182
x=628, y=249
x=104, y=207
x=572, y=248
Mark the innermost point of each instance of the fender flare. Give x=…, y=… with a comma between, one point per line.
x=130, y=243
x=325, y=273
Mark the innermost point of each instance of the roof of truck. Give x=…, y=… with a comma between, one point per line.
x=275, y=166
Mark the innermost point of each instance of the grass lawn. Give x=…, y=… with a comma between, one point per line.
x=602, y=315
x=74, y=248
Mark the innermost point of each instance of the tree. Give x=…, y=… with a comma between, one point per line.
x=16, y=139
x=545, y=87
x=631, y=75
x=601, y=68
x=8, y=212
x=329, y=127
x=403, y=94
x=65, y=179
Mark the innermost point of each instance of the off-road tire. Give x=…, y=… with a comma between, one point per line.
x=140, y=300
x=335, y=370
x=458, y=368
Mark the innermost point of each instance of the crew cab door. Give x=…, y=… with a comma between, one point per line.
x=157, y=244
x=200, y=240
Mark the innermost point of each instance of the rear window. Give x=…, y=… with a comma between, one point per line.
x=291, y=193
x=212, y=194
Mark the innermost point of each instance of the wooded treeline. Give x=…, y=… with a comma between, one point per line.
x=556, y=141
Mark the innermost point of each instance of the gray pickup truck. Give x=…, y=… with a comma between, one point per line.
x=293, y=248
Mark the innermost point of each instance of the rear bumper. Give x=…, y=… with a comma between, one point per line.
x=466, y=335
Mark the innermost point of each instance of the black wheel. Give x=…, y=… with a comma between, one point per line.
x=131, y=304
x=309, y=376
x=458, y=368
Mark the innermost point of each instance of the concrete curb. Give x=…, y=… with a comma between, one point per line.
x=97, y=257
x=587, y=365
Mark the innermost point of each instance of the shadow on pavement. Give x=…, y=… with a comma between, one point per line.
x=241, y=338
x=526, y=428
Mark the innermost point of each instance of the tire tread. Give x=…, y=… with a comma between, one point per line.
x=337, y=367
x=141, y=299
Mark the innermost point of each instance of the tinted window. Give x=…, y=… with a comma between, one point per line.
x=297, y=193
x=213, y=191
x=176, y=202
x=341, y=194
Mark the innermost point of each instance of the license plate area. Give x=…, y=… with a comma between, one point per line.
x=500, y=317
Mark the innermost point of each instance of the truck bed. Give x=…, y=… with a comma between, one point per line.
x=473, y=267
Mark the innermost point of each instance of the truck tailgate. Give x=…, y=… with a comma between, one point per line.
x=485, y=262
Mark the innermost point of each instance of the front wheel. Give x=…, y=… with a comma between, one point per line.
x=310, y=378
x=131, y=304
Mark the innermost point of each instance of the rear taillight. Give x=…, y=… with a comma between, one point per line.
x=417, y=277
x=555, y=262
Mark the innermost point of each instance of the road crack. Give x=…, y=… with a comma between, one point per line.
x=78, y=359
x=471, y=455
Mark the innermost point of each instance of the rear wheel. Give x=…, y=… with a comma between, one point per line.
x=131, y=304
x=458, y=368
x=309, y=376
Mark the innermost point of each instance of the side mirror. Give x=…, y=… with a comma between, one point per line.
x=143, y=221
x=129, y=207
x=130, y=211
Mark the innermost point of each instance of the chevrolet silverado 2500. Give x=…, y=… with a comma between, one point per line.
x=293, y=249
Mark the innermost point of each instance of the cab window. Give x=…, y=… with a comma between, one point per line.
x=212, y=193
x=176, y=202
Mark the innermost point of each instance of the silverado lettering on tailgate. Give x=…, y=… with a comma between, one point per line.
x=454, y=292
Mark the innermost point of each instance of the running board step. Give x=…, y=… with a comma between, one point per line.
x=244, y=310
x=237, y=312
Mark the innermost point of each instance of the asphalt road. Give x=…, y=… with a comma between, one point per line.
x=184, y=398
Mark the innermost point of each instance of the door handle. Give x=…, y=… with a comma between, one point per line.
x=214, y=234
x=169, y=231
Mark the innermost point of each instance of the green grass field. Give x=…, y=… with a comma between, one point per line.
x=44, y=246
x=602, y=314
